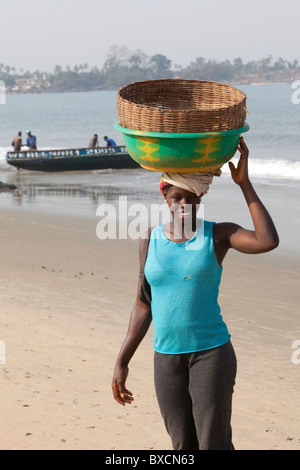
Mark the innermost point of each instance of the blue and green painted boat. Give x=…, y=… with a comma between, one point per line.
x=80, y=159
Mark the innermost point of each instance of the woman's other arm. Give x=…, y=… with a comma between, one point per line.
x=140, y=320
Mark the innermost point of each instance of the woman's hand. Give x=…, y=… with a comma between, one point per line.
x=240, y=173
x=120, y=392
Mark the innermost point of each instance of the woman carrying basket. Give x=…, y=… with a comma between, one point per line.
x=194, y=361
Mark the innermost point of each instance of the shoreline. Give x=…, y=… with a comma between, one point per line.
x=86, y=90
x=66, y=298
x=79, y=196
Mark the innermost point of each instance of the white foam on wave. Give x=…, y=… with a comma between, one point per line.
x=3, y=151
x=3, y=165
x=270, y=168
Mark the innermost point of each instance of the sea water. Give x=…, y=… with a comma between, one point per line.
x=69, y=120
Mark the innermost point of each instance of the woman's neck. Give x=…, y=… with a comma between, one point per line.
x=181, y=231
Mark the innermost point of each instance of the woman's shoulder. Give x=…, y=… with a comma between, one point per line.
x=147, y=234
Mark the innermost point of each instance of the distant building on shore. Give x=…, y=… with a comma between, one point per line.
x=36, y=83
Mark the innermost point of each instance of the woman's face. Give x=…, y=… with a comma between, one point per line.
x=182, y=204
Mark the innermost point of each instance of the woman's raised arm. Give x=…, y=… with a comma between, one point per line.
x=264, y=237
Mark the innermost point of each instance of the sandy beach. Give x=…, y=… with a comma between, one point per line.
x=66, y=298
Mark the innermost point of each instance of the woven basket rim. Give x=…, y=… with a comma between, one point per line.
x=182, y=105
x=178, y=80
x=142, y=83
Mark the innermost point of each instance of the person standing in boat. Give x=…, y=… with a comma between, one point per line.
x=17, y=142
x=109, y=142
x=94, y=142
x=31, y=141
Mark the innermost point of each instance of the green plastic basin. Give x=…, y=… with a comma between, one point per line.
x=181, y=153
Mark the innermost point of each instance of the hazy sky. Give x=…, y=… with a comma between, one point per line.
x=38, y=34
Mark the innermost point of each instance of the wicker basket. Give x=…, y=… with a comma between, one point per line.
x=179, y=106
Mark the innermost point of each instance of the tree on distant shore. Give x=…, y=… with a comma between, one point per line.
x=160, y=66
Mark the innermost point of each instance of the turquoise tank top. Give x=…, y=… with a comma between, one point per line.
x=184, y=279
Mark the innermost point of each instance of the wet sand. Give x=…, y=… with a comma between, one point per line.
x=66, y=298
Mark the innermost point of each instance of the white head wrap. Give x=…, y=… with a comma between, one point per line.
x=197, y=183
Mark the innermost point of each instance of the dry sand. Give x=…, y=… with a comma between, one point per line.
x=66, y=297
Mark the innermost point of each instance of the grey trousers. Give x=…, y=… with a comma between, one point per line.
x=194, y=393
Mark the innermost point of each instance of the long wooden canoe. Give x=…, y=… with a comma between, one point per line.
x=80, y=159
